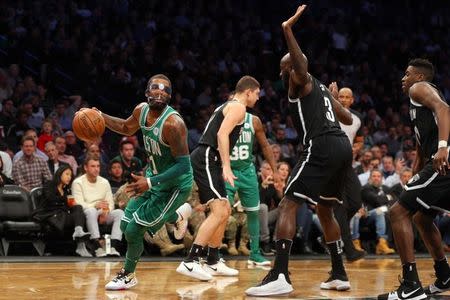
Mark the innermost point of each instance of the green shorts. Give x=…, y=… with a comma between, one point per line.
x=247, y=188
x=157, y=206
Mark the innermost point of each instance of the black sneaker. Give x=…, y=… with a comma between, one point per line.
x=336, y=282
x=266, y=249
x=407, y=290
x=355, y=255
x=439, y=286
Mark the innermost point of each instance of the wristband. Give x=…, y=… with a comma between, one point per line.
x=442, y=144
x=149, y=183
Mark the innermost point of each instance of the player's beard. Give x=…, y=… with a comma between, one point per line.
x=157, y=103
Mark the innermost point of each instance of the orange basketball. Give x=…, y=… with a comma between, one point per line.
x=88, y=125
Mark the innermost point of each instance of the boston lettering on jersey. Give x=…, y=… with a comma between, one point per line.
x=158, y=152
x=242, y=154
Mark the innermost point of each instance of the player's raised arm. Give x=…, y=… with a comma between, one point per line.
x=299, y=74
x=127, y=126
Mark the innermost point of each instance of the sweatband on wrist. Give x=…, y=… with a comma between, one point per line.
x=442, y=144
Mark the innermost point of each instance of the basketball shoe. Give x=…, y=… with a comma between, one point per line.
x=193, y=269
x=122, y=281
x=336, y=282
x=184, y=212
x=273, y=284
x=439, y=286
x=220, y=269
x=407, y=290
x=258, y=260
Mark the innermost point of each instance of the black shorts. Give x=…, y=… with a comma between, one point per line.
x=427, y=191
x=321, y=171
x=208, y=173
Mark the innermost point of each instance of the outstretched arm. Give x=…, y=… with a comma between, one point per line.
x=125, y=127
x=299, y=75
x=426, y=95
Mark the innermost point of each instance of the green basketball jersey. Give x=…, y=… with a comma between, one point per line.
x=158, y=152
x=242, y=154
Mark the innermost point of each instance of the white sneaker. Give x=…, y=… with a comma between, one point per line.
x=100, y=252
x=220, y=269
x=82, y=251
x=184, y=212
x=336, y=282
x=113, y=252
x=275, y=287
x=193, y=269
x=122, y=281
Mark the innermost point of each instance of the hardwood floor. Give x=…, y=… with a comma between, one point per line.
x=158, y=280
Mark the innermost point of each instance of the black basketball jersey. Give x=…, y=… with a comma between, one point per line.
x=313, y=115
x=425, y=126
x=209, y=136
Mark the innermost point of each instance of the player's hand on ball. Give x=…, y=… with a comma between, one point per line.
x=139, y=186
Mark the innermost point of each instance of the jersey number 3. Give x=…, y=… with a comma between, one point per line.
x=329, y=114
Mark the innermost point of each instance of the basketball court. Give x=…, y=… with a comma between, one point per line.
x=77, y=278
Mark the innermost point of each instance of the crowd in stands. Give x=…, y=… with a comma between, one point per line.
x=59, y=56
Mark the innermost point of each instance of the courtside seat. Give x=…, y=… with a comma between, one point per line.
x=16, y=221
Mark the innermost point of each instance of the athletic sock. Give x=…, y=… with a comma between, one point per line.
x=410, y=272
x=337, y=265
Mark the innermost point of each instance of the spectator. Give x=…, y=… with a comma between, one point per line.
x=365, y=162
x=72, y=146
x=130, y=163
x=195, y=133
x=60, y=143
x=3, y=178
x=56, y=210
x=30, y=171
x=375, y=198
x=46, y=135
x=116, y=176
x=93, y=193
x=405, y=176
x=270, y=197
x=93, y=149
x=33, y=134
x=53, y=162
x=6, y=164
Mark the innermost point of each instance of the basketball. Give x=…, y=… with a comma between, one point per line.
x=88, y=125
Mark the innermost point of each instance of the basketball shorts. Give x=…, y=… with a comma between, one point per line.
x=246, y=185
x=427, y=191
x=157, y=206
x=320, y=173
x=207, y=169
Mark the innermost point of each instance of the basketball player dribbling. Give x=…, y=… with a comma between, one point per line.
x=160, y=196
